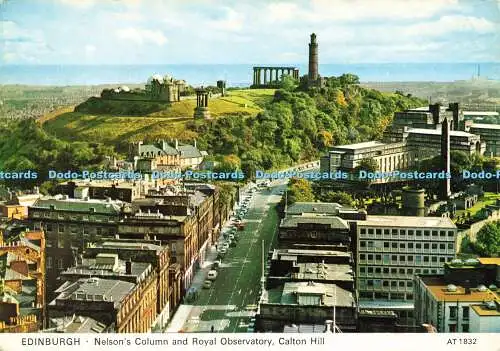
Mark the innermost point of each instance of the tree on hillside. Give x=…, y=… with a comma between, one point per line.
x=367, y=164
x=288, y=83
x=488, y=240
x=340, y=197
x=299, y=190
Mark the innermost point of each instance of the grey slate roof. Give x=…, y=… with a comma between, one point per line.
x=333, y=222
x=315, y=207
x=77, y=205
x=189, y=151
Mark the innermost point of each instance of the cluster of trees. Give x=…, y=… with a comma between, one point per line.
x=487, y=243
x=24, y=145
x=301, y=123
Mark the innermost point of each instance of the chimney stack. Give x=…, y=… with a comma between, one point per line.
x=434, y=109
x=455, y=110
x=128, y=267
x=445, y=186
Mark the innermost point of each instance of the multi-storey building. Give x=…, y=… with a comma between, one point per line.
x=126, y=191
x=69, y=225
x=125, y=301
x=463, y=299
x=22, y=282
x=168, y=285
x=392, y=249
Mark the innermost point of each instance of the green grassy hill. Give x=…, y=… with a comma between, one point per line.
x=167, y=122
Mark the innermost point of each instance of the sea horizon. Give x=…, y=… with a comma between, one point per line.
x=236, y=75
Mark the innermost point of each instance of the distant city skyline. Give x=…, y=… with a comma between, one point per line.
x=243, y=32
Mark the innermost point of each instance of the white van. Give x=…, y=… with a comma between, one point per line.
x=212, y=275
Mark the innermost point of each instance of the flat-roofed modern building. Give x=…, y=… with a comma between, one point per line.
x=490, y=134
x=455, y=302
x=392, y=249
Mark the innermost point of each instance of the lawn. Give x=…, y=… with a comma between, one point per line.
x=169, y=123
x=488, y=199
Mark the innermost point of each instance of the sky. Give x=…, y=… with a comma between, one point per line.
x=247, y=31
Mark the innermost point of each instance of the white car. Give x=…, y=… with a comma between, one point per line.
x=212, y=275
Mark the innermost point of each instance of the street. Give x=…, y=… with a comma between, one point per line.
x=231, y=301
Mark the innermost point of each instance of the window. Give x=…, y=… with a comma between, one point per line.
x=418, y=259
x=370, y=257
x=442, y=233
x=434, y=233
x=386, y=259
x=48, y=227
x=434, y=246
x=453, y=312
x=434, y=259
x=426, y=258
x=377, y=283
x=60, y=228
x=385, y=283
x=411, y=232
x=442, y=259
x=410, y=258
x=386, y=231
x=418, y=245
x=362, y=231
x=402, y=246
x=362, y=269
x=442, y=246
x=402, y=232
x=370, y=230
x=410, y=245
x=378, y=270
x=370, y=270
x=450, y=246
x=378, y=257
x=425, y=271
x=401, y=284
x=451, y=233
x=394, y=283
x=394, y=258
x=49, y=262
x=419, y=233
x=362, y=243
x=370, y=244
x=465, y=328
x=427, y=233
x=378, y=231
x=409, y=284
x=394, y=232
x=386, y=244
x=409, y=271
x=362, y=257
x=402, y=258
x=417, y=271
x=402, y=271
x=394, y=245
x=394, y=271
x=369, y=283
x=386, y=270
x=426, y=246
x=452, y=328
x=465, y=312
x=60, y=264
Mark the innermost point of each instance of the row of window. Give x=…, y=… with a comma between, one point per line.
x=409, y=232
x=404, y=245
x=395, y=259
x=389, y=296
x=59, y=263
x=378, y=283
x=394, y=271
x=74, y=229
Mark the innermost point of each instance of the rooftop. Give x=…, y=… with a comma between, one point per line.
x=332, y=295
x=480, y=113
x=485, y=126
x=358, y=146
x=119, y=183
x=408, y=221
x=457, y=133
x=324, y=271
x=442, y=292
x=489, y=260
x=483, y=311
x=314, y=207
x=305, y=252
x=94, y=289
x=62, y=203
x=92, y=267
x=295, y=220
x=76, y=324
x=129, y=245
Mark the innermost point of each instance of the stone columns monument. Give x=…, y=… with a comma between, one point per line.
x=201, y=110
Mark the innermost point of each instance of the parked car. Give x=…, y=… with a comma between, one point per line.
x=207, y=284
x=212, y=274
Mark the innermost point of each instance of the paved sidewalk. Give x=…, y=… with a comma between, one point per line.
x=183, y=313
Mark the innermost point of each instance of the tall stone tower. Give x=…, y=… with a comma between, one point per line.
x=445, y=188
x=313, y=59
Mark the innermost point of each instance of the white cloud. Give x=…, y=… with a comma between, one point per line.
x=80, y=4
x=450, y=24
x=90, y=48
x=142, y=36
x=233, y=21
x=281, y=11
x=127, y=16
